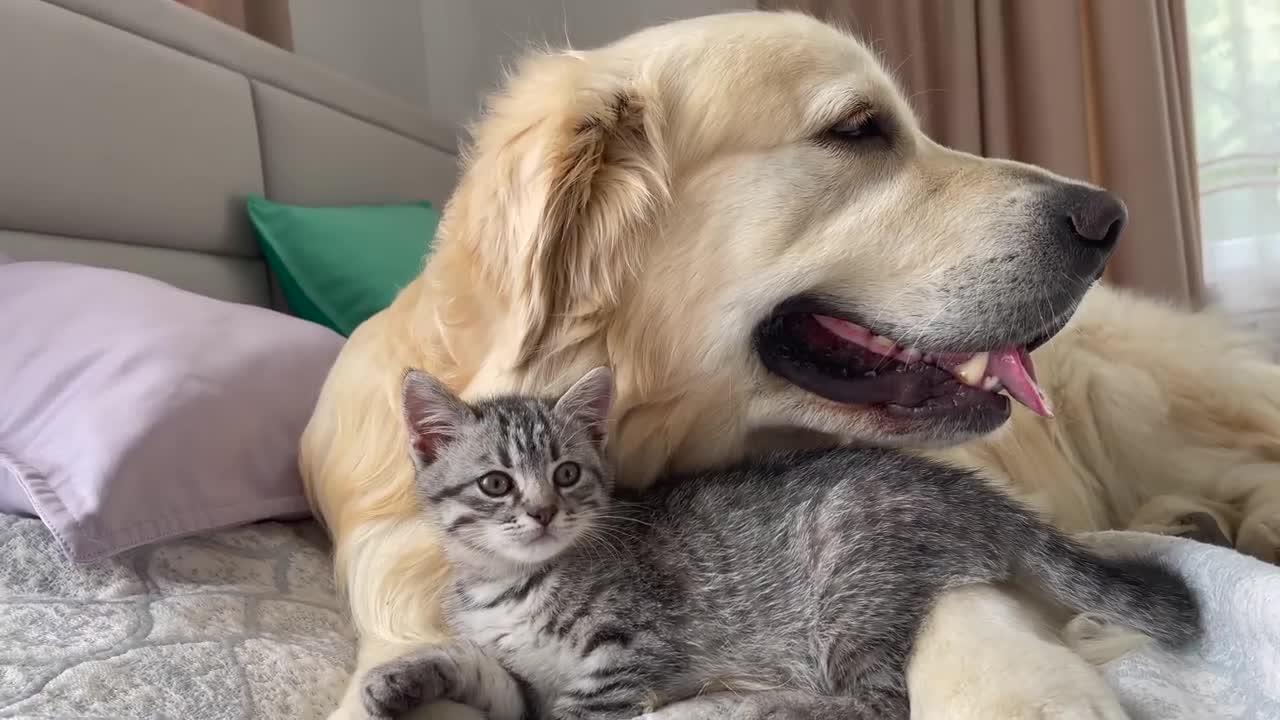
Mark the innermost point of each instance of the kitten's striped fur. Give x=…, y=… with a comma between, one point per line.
x=806, y=574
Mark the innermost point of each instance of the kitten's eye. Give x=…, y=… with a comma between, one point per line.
x=567, y=474
x=495, y=484
x=857, y=128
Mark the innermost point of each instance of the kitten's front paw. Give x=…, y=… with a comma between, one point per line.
x=397, y=687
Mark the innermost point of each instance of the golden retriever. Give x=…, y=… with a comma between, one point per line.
x=740, y=215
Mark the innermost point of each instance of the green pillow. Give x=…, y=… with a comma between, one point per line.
x=339, y=265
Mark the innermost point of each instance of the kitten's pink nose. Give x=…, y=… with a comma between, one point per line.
x=544, y=515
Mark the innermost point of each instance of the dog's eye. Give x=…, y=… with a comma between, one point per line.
x=857, y=129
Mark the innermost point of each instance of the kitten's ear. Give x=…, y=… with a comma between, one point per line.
x=589, y=402
x=432, y=414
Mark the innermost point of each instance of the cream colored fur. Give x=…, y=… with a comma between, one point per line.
x=644, y=205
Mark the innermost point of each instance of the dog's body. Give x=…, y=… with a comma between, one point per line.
x=665, y=204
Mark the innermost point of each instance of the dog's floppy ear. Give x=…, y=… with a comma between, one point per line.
x=575, y=152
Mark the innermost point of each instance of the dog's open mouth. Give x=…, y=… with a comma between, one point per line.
x=848, y=363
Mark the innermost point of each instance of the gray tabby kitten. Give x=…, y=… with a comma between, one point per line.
x=806, y=573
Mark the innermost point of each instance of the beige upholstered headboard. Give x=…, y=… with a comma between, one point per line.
x=131, y=132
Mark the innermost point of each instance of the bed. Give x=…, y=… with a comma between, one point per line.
x=132, y=133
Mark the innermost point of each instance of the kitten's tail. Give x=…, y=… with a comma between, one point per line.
x=1139, y=593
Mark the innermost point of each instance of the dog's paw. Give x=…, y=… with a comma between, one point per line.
x=1050, y=683
x=397, y=687
x=1087, y=699
x=1069, y=697
x=1254, y=532
x=1259, y=534
x=986, y=654
x=1078, y=709
x=1190, y=517
x=1205, y=527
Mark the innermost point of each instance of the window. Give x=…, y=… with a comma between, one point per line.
x=1235, y=72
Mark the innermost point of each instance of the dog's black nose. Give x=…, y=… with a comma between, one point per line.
x=1096, y=216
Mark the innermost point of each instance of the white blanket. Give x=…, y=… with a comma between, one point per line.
x=245, y=624
x=1234, y=674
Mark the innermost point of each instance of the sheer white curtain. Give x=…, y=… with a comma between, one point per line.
x=1235, y=71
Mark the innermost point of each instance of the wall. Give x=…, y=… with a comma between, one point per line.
x=378, y=42
x=443, y=55
x=468, y=43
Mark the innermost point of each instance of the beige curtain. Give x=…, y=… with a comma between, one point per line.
x=265, y=19
x=1091, y=89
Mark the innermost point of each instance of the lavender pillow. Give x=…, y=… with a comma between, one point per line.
x=134, y=412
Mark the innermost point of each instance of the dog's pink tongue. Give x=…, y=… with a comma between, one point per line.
x=1013, y=368
x=1009, y=370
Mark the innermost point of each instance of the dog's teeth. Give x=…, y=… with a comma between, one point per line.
x=992, y=384
x=974, y=369
x=910, y=356
x=882, y=345
x=869, y=373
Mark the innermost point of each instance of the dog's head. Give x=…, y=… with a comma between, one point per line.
x=742, y=216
